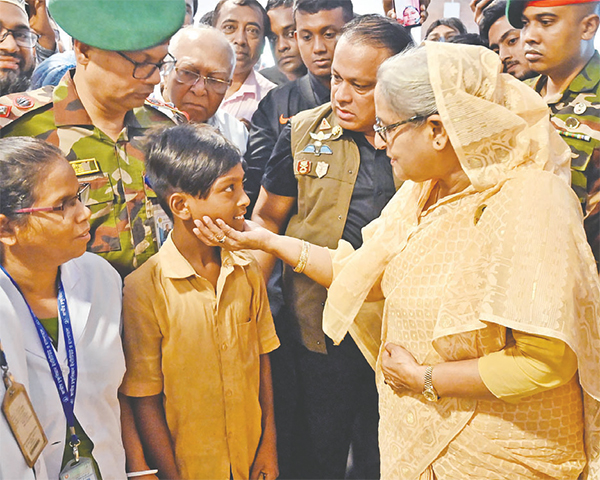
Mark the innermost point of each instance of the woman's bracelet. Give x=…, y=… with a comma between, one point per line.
x=142, y=473
x=303, y=259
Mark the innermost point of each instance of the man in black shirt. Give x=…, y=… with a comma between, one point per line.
x=328, y=180
x=318, y=26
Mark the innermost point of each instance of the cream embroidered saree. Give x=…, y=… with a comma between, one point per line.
x=507, y=252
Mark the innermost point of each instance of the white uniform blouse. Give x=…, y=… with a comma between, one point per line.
x=93, y=293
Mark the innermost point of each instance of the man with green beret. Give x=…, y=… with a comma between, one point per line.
x=97, y=114
x=559, y=44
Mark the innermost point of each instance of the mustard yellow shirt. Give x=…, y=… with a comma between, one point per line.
x=528, y=365
x=200, y=349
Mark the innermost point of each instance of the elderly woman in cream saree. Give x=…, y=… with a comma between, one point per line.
x=487, y=348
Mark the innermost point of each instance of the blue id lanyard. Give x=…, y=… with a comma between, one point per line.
x=67, y=396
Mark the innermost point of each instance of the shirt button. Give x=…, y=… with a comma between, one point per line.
x=318, y=343
x=350, y=172
x=224, y=346
x=339, y=217
x=65, y=370
x=228, y=393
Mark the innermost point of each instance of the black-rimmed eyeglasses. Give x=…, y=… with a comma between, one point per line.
x=23, y=37
x=144, y=70
x=382, y=130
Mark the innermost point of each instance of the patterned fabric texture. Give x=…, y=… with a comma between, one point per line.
x=507, y=252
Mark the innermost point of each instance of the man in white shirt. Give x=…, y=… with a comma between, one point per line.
x=245, y=23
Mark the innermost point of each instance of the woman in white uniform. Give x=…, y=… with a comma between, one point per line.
x=58, y=306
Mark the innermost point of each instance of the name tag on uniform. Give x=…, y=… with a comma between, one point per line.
x=86, y=166
x=80, y=470
x=23, y=422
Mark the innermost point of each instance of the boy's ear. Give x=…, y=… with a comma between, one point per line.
x=7, y=232
x=178, y=204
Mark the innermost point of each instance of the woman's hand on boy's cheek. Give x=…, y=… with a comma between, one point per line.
x=219, y=234
x=265, y=465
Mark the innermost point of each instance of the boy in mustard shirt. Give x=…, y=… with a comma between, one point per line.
x=197, y=325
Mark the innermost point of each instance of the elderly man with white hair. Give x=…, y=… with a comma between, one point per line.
x=202, y=71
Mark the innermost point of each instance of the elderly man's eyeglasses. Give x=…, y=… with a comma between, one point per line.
x=186, y=77
x=382, y=130
x=144, y=70
x=83, y=195
x=23, y=37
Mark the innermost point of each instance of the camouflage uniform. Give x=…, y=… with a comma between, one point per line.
x=576, y=113
x=122, y=224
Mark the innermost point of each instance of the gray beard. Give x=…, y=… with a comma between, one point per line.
x=14, y=81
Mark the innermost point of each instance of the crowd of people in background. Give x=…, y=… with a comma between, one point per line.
x=377, y=258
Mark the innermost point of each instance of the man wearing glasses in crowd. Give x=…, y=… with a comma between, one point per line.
x=201, y=73
x=97, y=117
x=246, y=24
x=17, y=48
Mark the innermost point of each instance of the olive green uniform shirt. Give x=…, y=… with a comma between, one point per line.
x=576, y=115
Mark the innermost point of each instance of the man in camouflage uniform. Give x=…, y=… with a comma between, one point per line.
x=97, y=115
x=559, y=44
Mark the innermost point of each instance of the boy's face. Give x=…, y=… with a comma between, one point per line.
x=226, y=200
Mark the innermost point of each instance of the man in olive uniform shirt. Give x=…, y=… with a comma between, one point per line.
x=326, y=177
x=559, y=44
x=97, y=116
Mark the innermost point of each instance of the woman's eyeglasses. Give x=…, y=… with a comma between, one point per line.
x=83, y=195
x=382, y=130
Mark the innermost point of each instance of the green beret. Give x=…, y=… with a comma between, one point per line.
x=119, y=25
x=514, y=12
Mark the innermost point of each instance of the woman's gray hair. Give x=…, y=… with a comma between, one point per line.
x=403, y=81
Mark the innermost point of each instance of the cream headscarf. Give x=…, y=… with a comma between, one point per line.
x=497, y=126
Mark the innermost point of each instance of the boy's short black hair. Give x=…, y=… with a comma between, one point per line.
x=490, y=15
x=316, y=6
x=187, y=158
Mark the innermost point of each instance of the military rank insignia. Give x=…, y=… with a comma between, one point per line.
x=317, y=148
x=321, y=169
x=23, y=102
x=324, y=125
x=86, y=166
x=303, y=167
x=5, y=111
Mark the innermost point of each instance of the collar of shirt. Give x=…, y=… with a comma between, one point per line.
x=176, y=266
x=586, y=81
x=588, y=78
x=322, y=93
x=250, y=88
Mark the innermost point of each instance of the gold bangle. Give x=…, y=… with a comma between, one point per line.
x=303, y=259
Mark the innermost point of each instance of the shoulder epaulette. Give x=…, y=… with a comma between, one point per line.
x=14, y=105
x=169, y=110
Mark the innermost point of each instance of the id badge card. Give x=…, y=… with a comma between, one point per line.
x=23, y=422
x=81, y=470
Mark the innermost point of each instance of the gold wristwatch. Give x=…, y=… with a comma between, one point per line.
x=428, y=391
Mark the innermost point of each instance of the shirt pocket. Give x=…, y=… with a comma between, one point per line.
x=102, y=202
